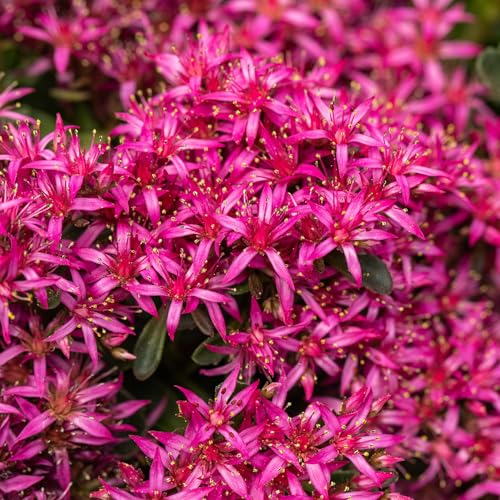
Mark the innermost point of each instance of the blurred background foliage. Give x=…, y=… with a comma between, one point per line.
x=486, y=28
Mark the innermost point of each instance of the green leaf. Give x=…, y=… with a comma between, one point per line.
x=203, y=321
x=186, y=323
x=342, y=476
x=53, y=299
x=69, y=95
x=149, y=347
x=203, y=357
x=488, y=69
x=376, y=276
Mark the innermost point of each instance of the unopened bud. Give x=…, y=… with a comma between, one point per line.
x=122, y=354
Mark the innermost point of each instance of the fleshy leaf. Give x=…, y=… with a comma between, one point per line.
x=342, y=476
x=53, y=299
x=149, y=347
x=488, y=69
x=203, y=321
x=204, y=357
x=376, y=276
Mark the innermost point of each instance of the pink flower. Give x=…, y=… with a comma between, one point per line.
x=190, y=287
x=250, y=94
x=72, y=417
x=258, y=347
x=262, y=230
x=65, y=35
x=339, y=125
x=10, y=94
x=207, y=419
x=89, y=313
x=349, y=220
x=424, y=46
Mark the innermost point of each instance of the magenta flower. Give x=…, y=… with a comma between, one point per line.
x=65, y=35
x=279, y=11
x=250, y=93
x=164, y=137
x=47, y=427
x=120, y=265
x=424, y=46
x=20, y=146
x=196, y=66
x=60, y=192
x=281, y=155
x=34, y=345
x=71, y=157
x=318, y=350
x=288, y=451
x=89, y=314
x=262, y=231
x=282, y=160
x=12, y=287
x=10, y=94
x=187, y=287
x=207, y=419
x=339, y=125
x=257, y=347
x=307, y=448
x=407, y=164
x=346, y=218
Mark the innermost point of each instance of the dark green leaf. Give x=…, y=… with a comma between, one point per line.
x=53, y=299
x=149, y=347
x=488, y=68
x=186, y=323
x=342, y=476
x=203, y=321
x=203, y=357
x=376, y=276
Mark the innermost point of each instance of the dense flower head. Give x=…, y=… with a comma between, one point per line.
x=56, y=414
x=308, y=184
x=267, y=454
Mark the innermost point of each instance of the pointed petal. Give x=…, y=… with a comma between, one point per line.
x=92, y=426
x=239, y=264
x=279, y=267
x=353, y=264
x=173, y=317
x=37, y=425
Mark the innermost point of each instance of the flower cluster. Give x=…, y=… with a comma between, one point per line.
x=269, y=454
x=60, y=420
x=316, y=189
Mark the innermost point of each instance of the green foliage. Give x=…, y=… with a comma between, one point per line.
x=488, y=69
x=204, y=357
x=376, y=276
x=149, y=347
